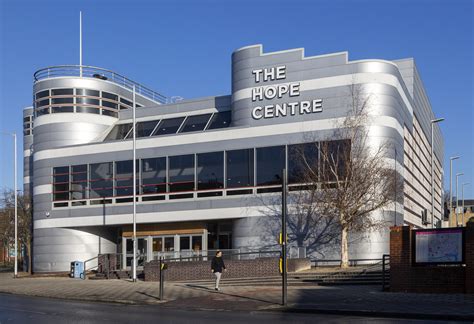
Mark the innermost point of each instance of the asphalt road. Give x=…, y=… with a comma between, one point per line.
x=26, y=309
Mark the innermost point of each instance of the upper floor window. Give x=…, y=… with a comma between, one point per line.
x=270, y=163
x=195, y=123
x=220, y=120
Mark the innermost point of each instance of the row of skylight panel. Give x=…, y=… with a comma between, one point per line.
x=171, y=126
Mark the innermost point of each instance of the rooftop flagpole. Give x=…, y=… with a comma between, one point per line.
x=80, y=44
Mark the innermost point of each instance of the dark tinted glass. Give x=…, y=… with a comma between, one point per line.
x=240, y=168
x=109, y=104
x=87, y=92
x=210, y=170
x=303, y=163
x=270, y=163
x=119, y=132
x=62, y=92
x=109, y=96
x=181, y=173
x=61, y=183
x=44, y=102
x=62, y=100
x=154, y=175
x=109, y=113
x=195, y=123
x=40, y=112
x=88, y=101
x=124, y=178
x=42, y=94
x=101, y=180
x=145, y=128
x=90, y=110
x=62, y=109
x=125, y=101
x=169, y=126
x=220, y=120
x=79, y=182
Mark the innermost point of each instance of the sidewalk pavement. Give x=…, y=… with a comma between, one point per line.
x=353, y=300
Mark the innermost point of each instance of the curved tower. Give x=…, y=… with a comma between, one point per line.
x=72, y=105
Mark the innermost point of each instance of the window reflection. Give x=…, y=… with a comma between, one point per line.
x=181, y=173
x=210, y=170
x=270, y=163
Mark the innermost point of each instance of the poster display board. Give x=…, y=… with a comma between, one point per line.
x=438, y=246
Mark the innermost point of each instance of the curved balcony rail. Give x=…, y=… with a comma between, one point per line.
x=98, y=73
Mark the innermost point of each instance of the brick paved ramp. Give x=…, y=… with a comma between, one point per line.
x=364, y=300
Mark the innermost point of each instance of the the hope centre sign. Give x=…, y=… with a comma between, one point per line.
x=278, y=91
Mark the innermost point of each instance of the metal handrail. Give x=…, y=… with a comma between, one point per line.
x=98, y=73
x=352, y=262
x=198, y=257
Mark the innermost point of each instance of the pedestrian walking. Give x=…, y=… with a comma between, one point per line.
x=217, y=265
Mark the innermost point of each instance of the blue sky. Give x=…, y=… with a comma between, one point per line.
x=183, y=48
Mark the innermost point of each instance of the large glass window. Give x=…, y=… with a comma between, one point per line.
x=62, y=92
x=270, y=162
x=210, y=170
x=109, y=96
x=181, y=173
x=169, y=126
x=119, y=132
x=88, y=101
x=90, y=110
x=61, y=183
x=101, y=180
x=124, y=178
x=195, y=123
x=87, y=92
x=42, y=94
x=56, y=101
x=154, y=175
x=109, y=104
x=145, y=129
x=79, y=182
x=240, y=168
x=44, y=102
x=303, y=163
x=220, y=120
x=125, y=101
x=62, y=109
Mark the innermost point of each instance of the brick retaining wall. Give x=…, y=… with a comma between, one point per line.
x=404, y=277
x=196, y=270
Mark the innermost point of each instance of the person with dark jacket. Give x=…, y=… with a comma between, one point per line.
x=217, y=265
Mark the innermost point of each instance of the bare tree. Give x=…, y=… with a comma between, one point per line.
x=24, y=210
x=356, y=175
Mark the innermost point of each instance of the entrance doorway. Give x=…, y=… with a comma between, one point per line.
x=141, y=251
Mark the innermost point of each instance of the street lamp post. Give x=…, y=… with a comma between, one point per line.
x=451, y=159
x=15, y=273
x=462, y=194
x=433, y=121
x=134, y=189
x=457, y=197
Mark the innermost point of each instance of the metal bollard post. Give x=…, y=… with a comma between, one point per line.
x=162, y=286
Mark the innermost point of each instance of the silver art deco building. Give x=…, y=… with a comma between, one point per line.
x=204, y=164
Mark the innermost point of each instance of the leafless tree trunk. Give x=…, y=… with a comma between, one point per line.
x=357, y=177
x=25, y=217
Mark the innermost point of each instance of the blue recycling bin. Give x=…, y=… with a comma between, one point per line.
x=77, y=269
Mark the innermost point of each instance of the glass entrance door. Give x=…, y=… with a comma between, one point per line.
x=141, y=251
x=163, y=246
